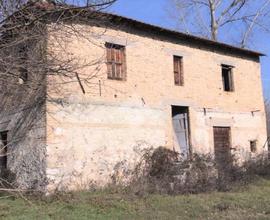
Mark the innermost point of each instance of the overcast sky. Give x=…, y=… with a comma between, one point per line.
x=155, y=12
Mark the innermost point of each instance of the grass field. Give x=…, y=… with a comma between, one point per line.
x=251, y=202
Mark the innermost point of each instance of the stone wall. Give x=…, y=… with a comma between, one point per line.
x=268, y=117
x=109, y=134
x=22, y=114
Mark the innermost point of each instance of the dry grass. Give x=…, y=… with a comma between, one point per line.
x=250, y=202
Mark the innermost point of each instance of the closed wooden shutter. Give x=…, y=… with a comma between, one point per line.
x=178, y=71
x=116, y=61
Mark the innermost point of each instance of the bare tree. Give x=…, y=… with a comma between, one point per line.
x=26, y=64
x=215, y=19
x=8, y=7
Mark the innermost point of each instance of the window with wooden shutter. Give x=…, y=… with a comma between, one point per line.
x=178, y=71
x=116, y=61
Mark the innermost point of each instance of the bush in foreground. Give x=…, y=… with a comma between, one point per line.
x=166, y=172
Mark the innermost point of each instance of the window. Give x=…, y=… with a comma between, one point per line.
x=253, y=146
x=178, y=71
x=23, y=75
x=23, y=56
x=227, y=78
x=116, y=61
x=3, y=150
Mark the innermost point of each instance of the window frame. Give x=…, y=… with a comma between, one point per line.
x=228, y=84
x=23, y=71
x=4, y=158
x=178, y=71
x=253, y=146
x=116, y=58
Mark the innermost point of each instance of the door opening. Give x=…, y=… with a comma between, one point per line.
x=180, y=119
x=222, y=142
x=222, y=147
x=3, y=151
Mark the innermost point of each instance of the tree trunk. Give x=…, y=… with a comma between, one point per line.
x=214, y=24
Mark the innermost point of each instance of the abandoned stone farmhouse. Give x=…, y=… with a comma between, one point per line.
x=146, y=87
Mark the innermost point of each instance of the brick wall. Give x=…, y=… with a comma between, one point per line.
x=89, y=134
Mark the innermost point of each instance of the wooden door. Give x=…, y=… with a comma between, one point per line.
x=222, y=144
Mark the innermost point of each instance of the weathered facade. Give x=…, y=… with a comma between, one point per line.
x=23, y=123
x=167, y=89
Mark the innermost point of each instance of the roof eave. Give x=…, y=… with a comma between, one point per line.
x=193, y=37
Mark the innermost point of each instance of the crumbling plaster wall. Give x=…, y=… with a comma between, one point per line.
x=109, y=134
x=88, y=134
x=245, y=127
x=23, y=116
x=26, y=156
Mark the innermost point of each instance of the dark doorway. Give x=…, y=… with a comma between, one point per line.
x=222, y=145
x=180, y=118
x=3, y=151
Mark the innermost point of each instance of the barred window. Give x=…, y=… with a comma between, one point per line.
x=116, y=61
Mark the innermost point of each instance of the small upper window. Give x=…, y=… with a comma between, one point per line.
x=116, y=61
x=23, y=77
x=227, y=78
x=178, y=71
x=23, y=57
